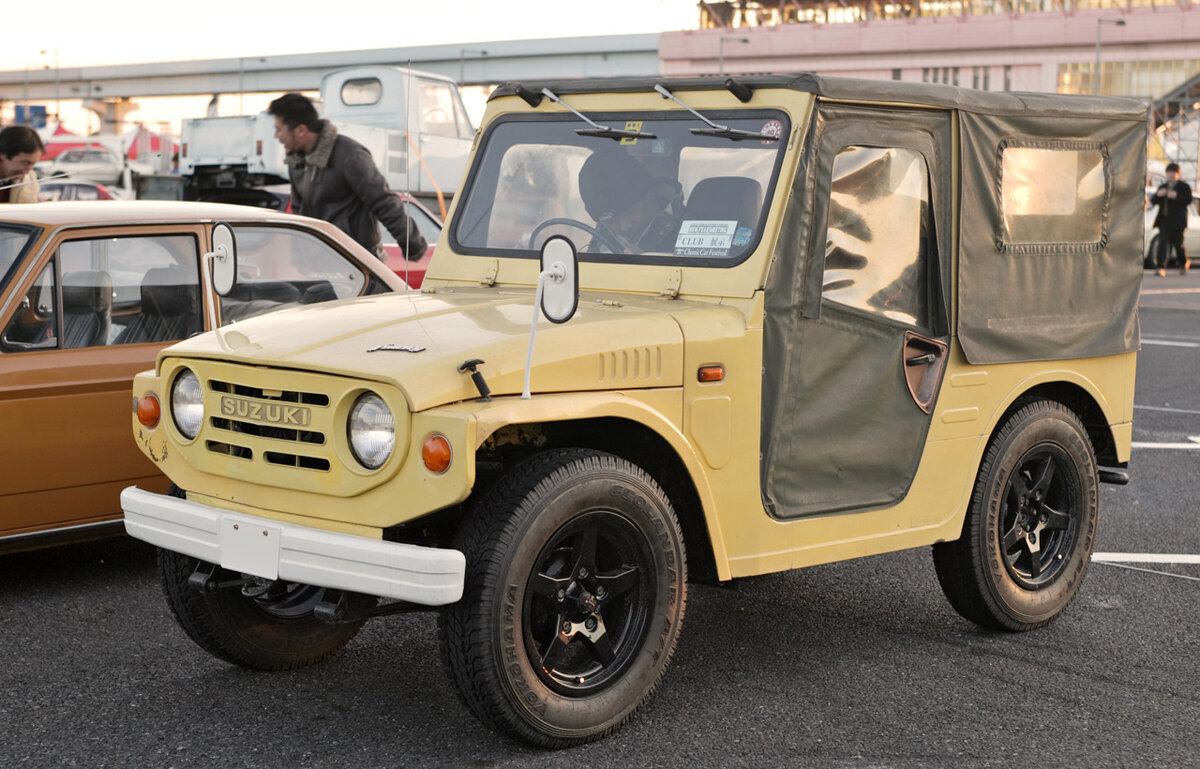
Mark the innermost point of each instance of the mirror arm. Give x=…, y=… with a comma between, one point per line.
x=210, y=260
x=558, y=273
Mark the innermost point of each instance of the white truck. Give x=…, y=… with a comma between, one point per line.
x=414, y=124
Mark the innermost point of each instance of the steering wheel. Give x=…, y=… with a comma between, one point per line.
x=604, y=238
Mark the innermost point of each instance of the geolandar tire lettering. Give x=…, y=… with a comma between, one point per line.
x=1031, y=526
x=573, y=600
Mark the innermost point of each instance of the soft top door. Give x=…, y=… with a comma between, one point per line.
x=856, y=328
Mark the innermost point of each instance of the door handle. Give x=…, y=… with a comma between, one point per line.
x=921, y=360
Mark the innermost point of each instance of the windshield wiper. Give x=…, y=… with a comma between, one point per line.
x=721, y=131
x=603, y=131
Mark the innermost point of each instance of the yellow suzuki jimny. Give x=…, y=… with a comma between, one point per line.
x=673, y=327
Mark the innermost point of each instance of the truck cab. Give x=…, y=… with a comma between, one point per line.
x=675, y=327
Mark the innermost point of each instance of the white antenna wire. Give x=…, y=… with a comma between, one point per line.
x=408, y=96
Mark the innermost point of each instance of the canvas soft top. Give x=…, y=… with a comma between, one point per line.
x=861, y=90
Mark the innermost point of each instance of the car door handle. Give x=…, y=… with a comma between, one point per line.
x=921, y=360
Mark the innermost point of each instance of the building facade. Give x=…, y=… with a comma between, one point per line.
x=1144, y=48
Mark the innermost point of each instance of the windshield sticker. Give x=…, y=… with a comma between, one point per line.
x=705, y=238
x=631, y=125
x=742, y=236
x=771, y=128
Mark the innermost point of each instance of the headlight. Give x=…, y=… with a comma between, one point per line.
x=372, y=431
x=187, y=403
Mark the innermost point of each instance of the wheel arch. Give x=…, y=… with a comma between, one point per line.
x=678, y=472
x=1082, y=401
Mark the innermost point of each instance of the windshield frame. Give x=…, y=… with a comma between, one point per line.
x=621, y=117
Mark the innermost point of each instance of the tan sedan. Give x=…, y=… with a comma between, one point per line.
x=89, y=293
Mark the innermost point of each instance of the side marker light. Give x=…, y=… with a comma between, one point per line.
x=436, y=454
x=148, y=410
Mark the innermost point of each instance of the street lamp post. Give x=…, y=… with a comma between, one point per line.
x=242, y=80
x=57, y=79
x=1096, y=71
x=462, y=61
x=721, y=51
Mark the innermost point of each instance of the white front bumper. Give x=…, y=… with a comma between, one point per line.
x=276, y=550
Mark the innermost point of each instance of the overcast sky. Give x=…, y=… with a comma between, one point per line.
x=86, y=32
x=82, y=33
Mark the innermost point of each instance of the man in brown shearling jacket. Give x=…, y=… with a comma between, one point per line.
x=334, y=178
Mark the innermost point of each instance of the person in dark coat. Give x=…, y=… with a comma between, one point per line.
x=335, y=178
x=1172, y=198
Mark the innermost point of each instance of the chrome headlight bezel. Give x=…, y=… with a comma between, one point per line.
x=187, y=403
x=371, y=431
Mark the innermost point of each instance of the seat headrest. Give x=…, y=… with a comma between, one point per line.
x=168, y=292
x=87, y=291
x=726, y=197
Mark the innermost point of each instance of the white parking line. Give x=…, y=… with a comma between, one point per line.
x=1176, y=446
x=1166, y=408
x=1169, y=343
x=1188, y=577
x=1146, y=558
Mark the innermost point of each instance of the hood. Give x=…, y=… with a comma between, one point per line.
x=417, y=342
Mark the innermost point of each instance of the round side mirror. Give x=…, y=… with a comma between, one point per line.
x=223, y=258
x=560, y=271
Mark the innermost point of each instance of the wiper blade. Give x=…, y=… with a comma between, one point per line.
x=737, y=134
x=715, y=129
x=605, y=132
x=596, y=129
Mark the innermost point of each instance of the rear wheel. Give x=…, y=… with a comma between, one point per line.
x=573, y=600
x=262, y=624
x=1029, y=531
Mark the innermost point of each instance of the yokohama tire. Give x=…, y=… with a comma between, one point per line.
x=1031, y=526
x=574, y=596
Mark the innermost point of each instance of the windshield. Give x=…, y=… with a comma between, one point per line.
x=676, y=198
x=12, y=243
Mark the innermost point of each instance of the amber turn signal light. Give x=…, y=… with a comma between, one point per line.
x=710, y=373
x=436, y=454
x=148, y=410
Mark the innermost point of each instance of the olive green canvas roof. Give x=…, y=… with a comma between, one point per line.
x=860, y=90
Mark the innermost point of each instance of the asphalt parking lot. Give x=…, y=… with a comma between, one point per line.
x=858, y=664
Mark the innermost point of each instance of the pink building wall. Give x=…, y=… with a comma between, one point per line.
x=1032, y=45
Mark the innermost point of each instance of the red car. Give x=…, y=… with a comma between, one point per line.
x=413, y=272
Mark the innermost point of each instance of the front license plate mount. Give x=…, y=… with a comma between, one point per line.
x=250, y=547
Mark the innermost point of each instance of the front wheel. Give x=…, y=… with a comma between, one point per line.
x=573, y=601
x=261, y=624
x=1031, y=525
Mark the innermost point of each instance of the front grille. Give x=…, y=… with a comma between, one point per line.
x=279, y=430
x=285, y=396
x=282, y=422
x=241, y=452
x=264, y=431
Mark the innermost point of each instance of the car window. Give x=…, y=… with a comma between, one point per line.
x=663, y=195
x=12, y=243
x=128, y=290
x=429, y=227
x=437, y=108
x=1053, y=196
x=878, y=233
x=35, y=325
x=283, y=267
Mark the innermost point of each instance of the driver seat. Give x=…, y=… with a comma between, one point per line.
x=87, y=308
